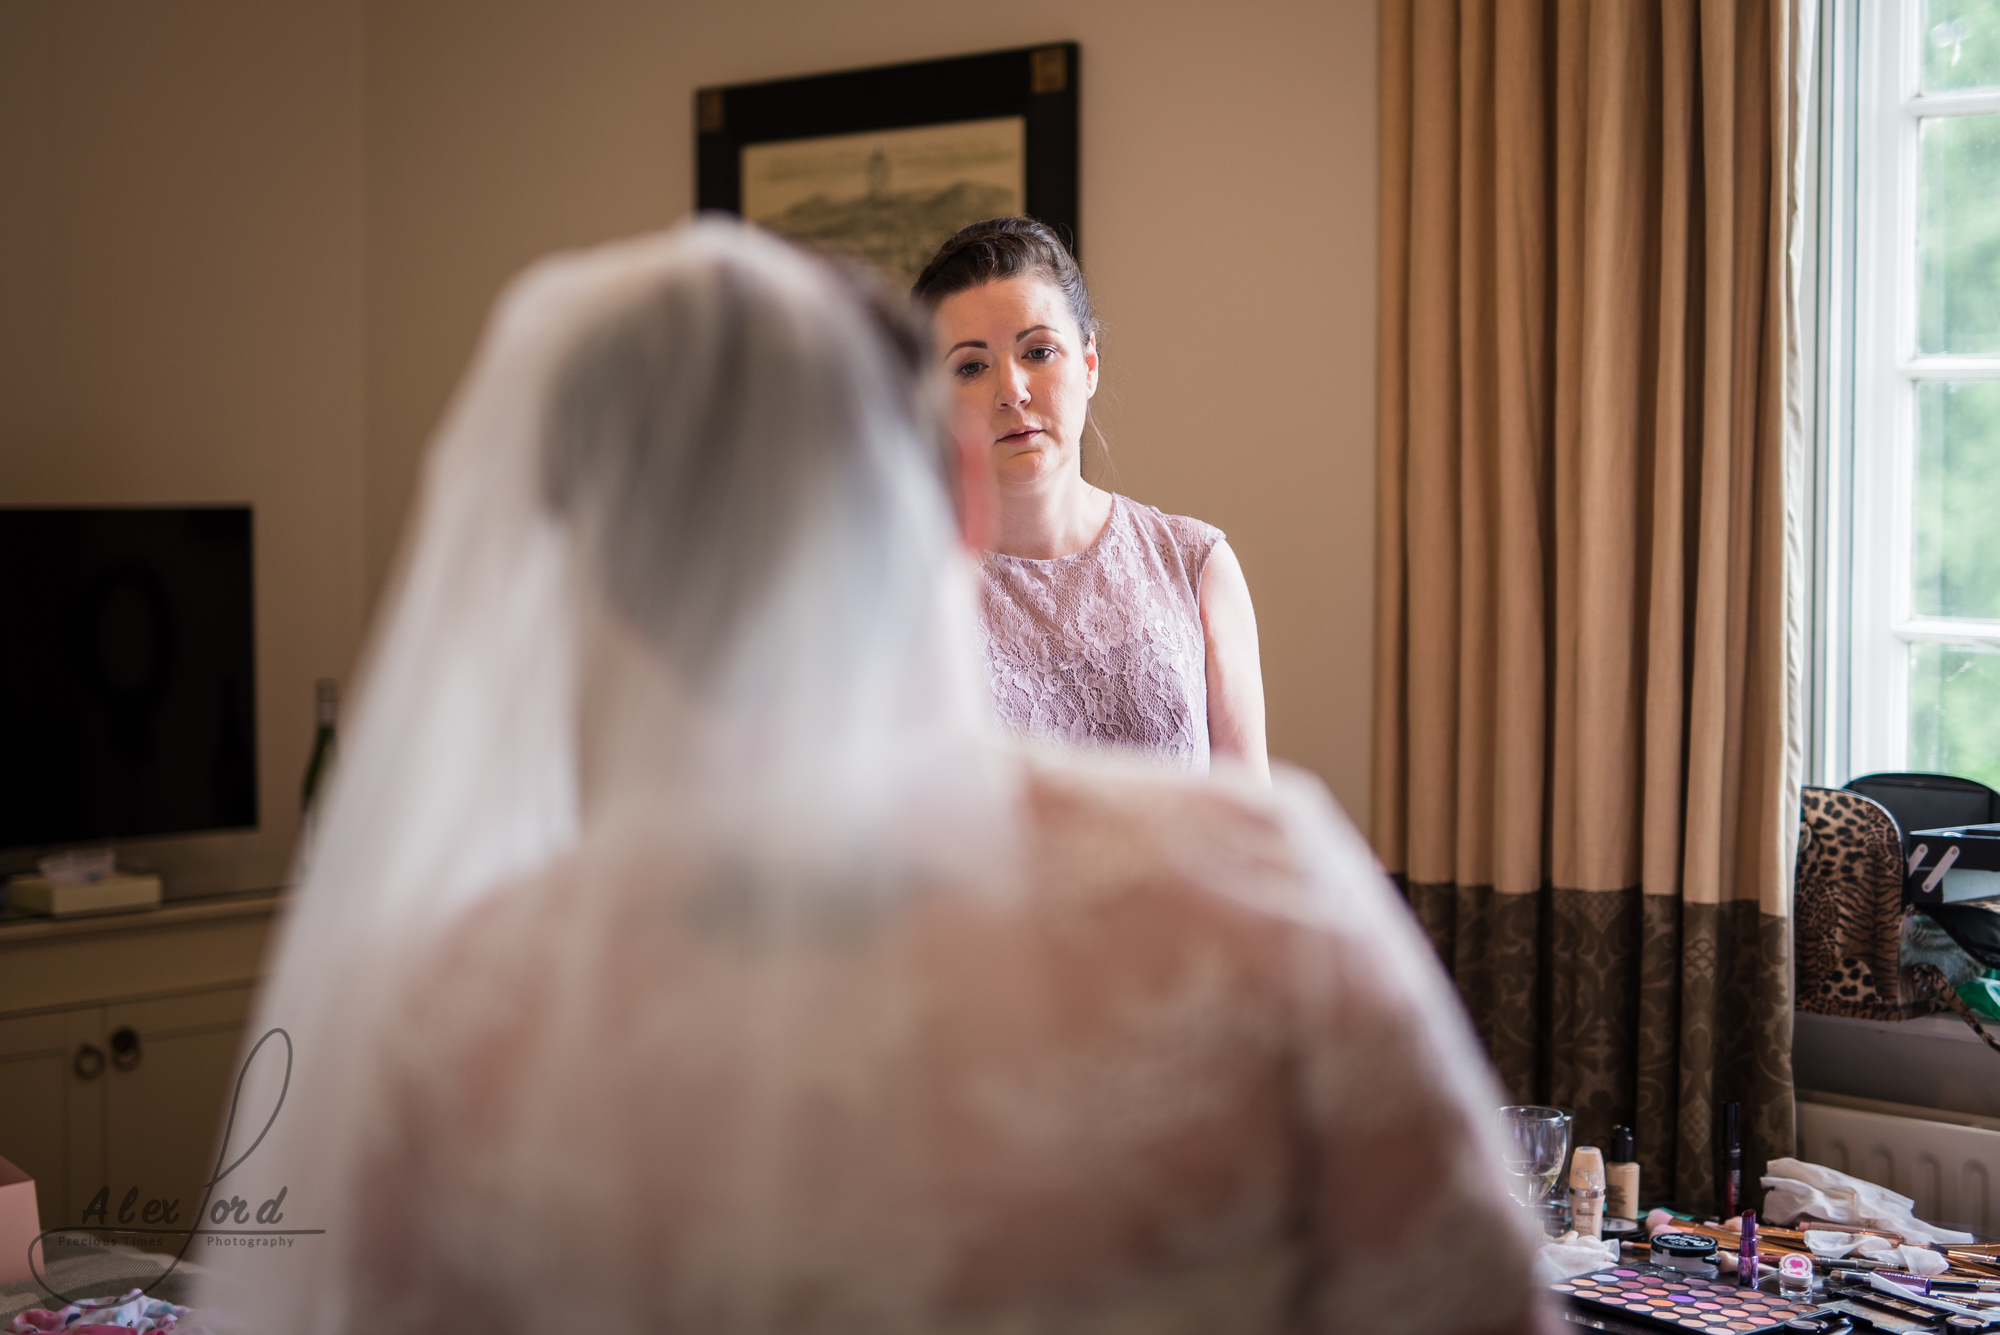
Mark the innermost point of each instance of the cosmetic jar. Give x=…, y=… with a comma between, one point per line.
x=1684, y=1251
x=1795, y=1273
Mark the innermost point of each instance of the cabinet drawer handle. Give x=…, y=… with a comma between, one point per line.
x=126, y=1054
x=89, y=1062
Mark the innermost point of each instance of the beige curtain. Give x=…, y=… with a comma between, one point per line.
x=1588, y=610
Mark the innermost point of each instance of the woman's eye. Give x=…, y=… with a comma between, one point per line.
x=967, y=370
x=1040, y=354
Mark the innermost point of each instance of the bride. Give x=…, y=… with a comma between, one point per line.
x=684, y=950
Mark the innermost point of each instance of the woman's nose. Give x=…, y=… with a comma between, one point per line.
x=1013, y=383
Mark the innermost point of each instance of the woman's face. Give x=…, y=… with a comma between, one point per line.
x=1021, y=376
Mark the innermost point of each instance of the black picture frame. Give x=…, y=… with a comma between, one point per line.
x=1037, y=83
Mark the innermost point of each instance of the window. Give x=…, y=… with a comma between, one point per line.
x=1909, y=250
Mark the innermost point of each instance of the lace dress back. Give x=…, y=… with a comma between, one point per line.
x=1104, y=647
x=1195, y=1074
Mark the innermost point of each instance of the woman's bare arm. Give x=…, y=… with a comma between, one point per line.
x=1235, y=671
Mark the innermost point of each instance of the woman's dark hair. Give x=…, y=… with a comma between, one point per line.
x=997, y=248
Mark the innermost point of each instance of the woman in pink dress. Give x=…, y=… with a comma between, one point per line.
x=1108, y=623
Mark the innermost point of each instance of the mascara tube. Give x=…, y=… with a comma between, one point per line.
x=1732, y=1158
x=1933, y=1284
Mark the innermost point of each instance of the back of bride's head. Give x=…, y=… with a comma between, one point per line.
x=683, y=528
x=733, y=424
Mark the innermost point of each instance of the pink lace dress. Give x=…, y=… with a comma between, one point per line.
x=1104, y=647
x=1184, y=1066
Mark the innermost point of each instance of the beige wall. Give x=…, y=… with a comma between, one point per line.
x=245, y=250
x=180, y=316
x=1228, y=215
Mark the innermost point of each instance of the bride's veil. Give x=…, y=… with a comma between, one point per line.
x=681, y=549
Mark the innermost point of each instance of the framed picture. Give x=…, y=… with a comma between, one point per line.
x=881, y=165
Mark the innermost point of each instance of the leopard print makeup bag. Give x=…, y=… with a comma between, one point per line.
x=1859, y=953
x=1848, y=907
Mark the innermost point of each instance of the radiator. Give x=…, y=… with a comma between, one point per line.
x=1949, y=1171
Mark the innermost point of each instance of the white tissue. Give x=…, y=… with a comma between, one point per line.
x=1794, y=1187
x=1830, y=1246
x=82, y=866
x=1558, y=1261
x=1922, y=1261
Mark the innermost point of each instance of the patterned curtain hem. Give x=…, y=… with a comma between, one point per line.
x=1631, y=1009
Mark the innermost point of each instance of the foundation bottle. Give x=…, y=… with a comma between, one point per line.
x=1586, y=1192
x=1621, y=1177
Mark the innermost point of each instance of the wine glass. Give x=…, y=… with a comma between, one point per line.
x=1535, y=1142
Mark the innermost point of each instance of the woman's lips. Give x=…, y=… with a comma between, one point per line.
x=1026, y=433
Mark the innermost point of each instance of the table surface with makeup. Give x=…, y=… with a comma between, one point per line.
x=1826, y=1252
x=1697, y=1268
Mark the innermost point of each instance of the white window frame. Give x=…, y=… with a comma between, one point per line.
x=1864, y=703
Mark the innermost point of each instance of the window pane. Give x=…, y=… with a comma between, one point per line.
x=1961, y=44
x=1955, y=711
x=1955, y=567
x=1958, y=234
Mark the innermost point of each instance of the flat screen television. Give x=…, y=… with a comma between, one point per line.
x=127, y=674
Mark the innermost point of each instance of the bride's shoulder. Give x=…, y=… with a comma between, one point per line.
x=1105, y=825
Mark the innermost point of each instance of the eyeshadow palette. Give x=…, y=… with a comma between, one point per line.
x=1681, y=1301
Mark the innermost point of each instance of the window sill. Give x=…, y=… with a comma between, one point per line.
x=1935, y=1063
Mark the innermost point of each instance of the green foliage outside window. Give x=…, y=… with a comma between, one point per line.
x=1958, y=234
x=1961, y=45
x=1955, y=559
x=1955, y=711
x=1955, y=562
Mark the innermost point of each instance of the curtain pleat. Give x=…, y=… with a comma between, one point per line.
x=1586, y=761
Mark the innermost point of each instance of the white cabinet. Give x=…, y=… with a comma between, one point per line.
x=119, y=1039
x=36, y=1117
x=164, y=1107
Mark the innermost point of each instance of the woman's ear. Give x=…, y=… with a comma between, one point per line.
x=977, y=501
x=1090, y=366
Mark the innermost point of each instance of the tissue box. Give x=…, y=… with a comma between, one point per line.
x=114, y=894
x=20, y=1224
